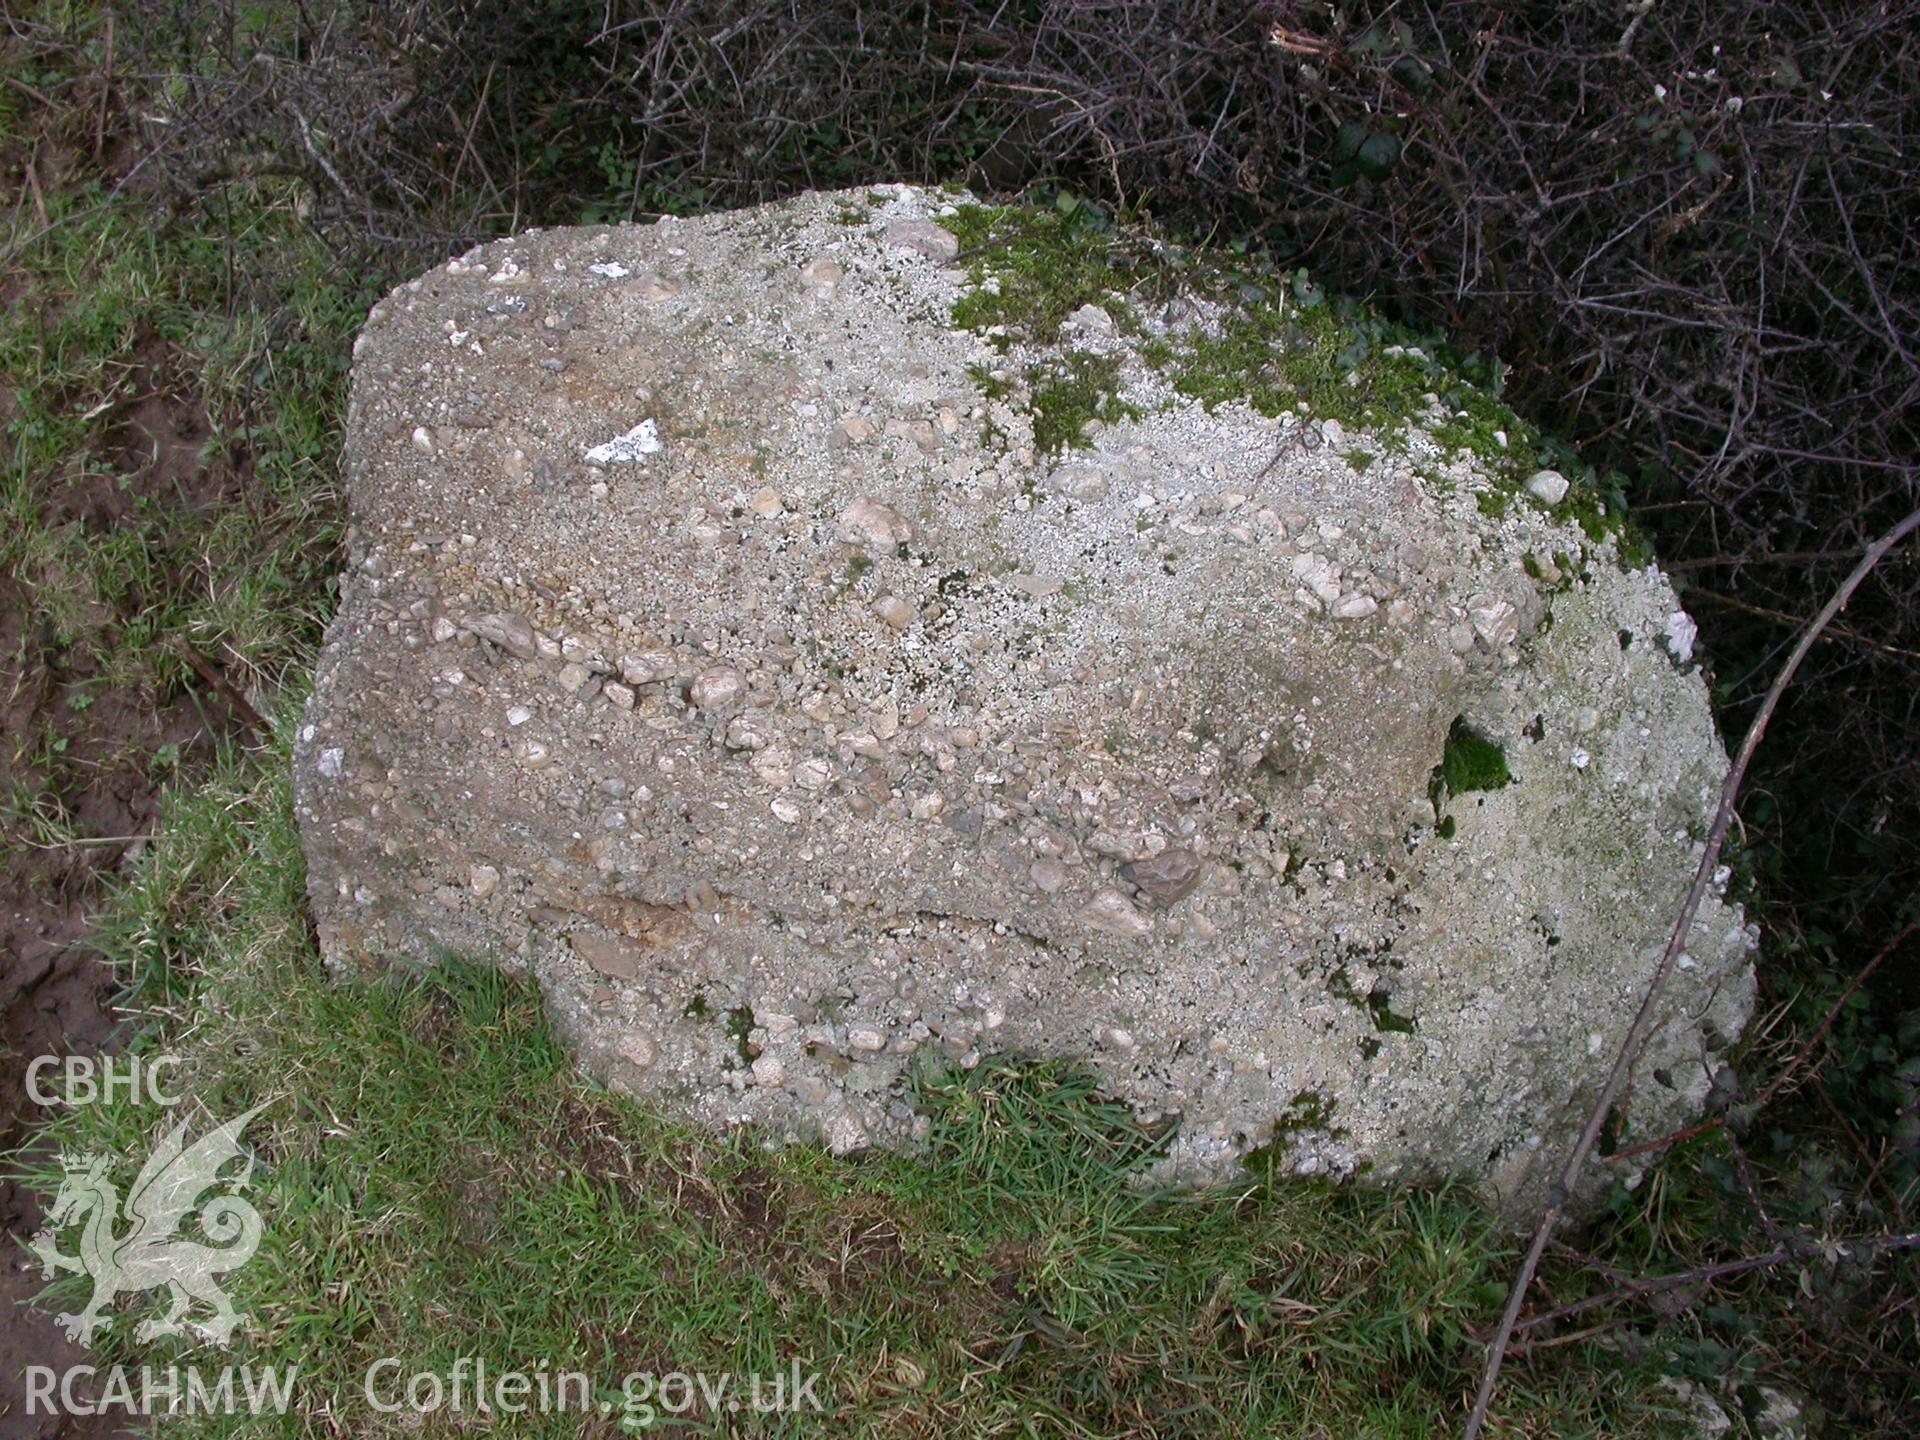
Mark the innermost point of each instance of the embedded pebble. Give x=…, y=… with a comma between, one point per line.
x=1110, y=910
x=1039, y=587
x=636, y=1050
x=895, y=611
x=1167, y=878
x=1549, y=487
x=717, y=689
x=867, y=522
x=634, y=446
x=924, y=238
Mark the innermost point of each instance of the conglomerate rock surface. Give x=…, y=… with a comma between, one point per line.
x=717, y=647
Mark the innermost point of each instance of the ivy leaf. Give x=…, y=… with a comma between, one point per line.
x=1348, y=139
x=1414, y=73
x=1377, y=156
x=1358, y=151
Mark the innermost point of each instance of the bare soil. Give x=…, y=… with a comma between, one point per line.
x=56, y=993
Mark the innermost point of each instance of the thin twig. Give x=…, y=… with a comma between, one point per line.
x=1630, y=1047
x=106, y=97
x=86, y=842
x=1706, y=1274
x=466, y=144
x=223, y=687
x=1841, y=633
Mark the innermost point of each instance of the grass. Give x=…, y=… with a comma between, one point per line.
x=113, y=308
x=167, y=502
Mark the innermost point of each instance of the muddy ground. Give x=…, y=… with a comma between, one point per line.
x=96, y=764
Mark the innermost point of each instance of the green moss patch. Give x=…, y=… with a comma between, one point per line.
x=1276, y=356
x=1378, y=1003
x=1032, y=268
x=1309, y=1111
x=1279, y=345
x=1070, y=392
x=1472, y=762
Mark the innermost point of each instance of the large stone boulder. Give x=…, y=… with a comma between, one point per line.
x=806, y=680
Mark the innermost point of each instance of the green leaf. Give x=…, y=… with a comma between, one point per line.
x=1377, y=156
x=1348, y=139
